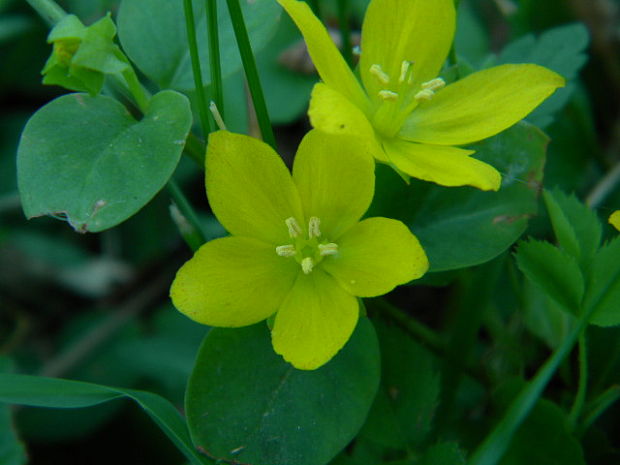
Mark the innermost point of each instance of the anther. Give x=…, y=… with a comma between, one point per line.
x=404, y=71
x=313, y=227
x=434, y=84
x=286, y=250
x=381, y=75
x=307, y=264
x=293, y=228
x=424, y=94
x=388, y=95
x=328, y=249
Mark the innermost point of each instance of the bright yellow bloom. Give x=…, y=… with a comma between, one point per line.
x=403, y=111
x=614, y=219
x=298, y=249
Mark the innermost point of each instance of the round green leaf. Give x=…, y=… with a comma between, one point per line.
x=244, y=403
x=88, y=160
x=463, y=226
x=153, y=35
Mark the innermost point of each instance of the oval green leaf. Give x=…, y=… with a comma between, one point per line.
x=245, y=404
x=153, y=35
x=88, y=160
x=463, y=226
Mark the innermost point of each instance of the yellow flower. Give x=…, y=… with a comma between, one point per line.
x=403, y=111
x=614, y=219
x=298, y=248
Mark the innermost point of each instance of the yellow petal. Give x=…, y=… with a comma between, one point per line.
x=332, y=68
x=233, y=281
x=314, y=322
x=332, y=112
x=614, y=219
x=375, y=256
x=418, y=31
x=448, y=166
x=481, y=105
x=335, y=177
x=250, y=189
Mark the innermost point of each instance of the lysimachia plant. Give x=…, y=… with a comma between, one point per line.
x=412, y=291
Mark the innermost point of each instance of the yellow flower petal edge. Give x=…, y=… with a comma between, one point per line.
x=338, y=199
x=249, y=188
x=396, y=32
x=377, y=255
x=326, y=58
x=231, y=282
x=307, y=330
x=332, y=112
x=614, y=219
x=481, y=105
x=447, y=166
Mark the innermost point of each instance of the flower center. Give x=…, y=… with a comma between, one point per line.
x=308, y=251
x=397, y=99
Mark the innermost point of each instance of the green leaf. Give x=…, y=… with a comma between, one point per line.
x=12, y=451
x=604, y=285
x=245, y=404
x=462, y=226
x=405, y=404
x=561, y=49
x=88, y=160
x=39, y=391
x=576, y=227
x=444, y=453
x=554, y=271
x=152, y=33
x=544, y=439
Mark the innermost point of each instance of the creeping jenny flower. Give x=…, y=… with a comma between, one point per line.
x=298, y=248
x=402, y=109
x=614, y=219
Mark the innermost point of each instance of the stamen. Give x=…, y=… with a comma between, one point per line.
x=388, y=95
x=434, y=84
x=293, y=228
x=217, y=116
x=313, y=227
x=377, y=72
x=328, y=249
x=404, y=71
x=424, y=94
x=306, y=265
x=286, y=250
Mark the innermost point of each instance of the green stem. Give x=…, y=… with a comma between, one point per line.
x=452, y=59
x=195, y=148
x=190, y=25
x=137, y=90
x=599, y=405
x=494, y=446
x=582, y=387
x=188, y=212
x=251, y=73
x=214, y=56
x=345, y=30
x=48, y=10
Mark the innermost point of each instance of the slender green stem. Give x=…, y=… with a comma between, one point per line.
x=605, y=187
x=214, y=55
x=582, y=387
x=190, y=25
x=599, y=405
x=195, y=148
x=48, y=10
x=251, y=73
x=188, y=212
x=345, y=30
x=494, y=446
x=452, y=58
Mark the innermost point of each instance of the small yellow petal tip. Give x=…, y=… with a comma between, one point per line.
x=614, y=219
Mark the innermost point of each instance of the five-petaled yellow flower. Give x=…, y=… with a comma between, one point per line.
x=403, y=111
x=614, y=219
x=298, y=248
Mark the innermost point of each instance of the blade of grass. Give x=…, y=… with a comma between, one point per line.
x=251, y=72
x=190, y=25
x=345, y=31
x=214, y=55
